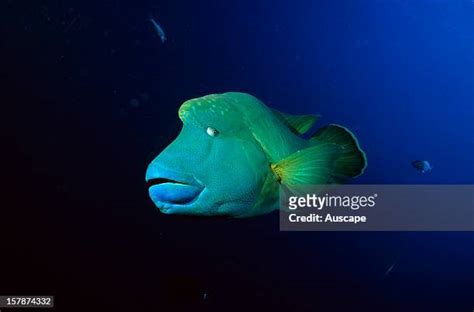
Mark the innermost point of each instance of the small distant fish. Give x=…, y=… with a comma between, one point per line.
x=159, y=30
x=422, y=165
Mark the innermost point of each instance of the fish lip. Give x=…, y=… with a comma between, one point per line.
x=179, y=208
x=158, y=175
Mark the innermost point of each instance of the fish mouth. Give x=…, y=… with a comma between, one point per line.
x=156, y=181
x=173, y=192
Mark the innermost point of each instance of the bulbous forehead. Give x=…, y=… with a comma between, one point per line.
x=210, y=106
x=216, y=110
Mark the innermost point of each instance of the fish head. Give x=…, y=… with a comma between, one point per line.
x=214, y=167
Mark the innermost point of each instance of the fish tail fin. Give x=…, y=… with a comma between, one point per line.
x=352, y=161
x=310, y=166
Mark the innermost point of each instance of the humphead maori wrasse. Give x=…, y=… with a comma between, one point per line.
x=234, y=152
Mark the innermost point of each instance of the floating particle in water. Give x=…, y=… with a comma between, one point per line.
x=62, y=188
x=144, y=97
x=390, y=268
x=134, y=103
x=71, y=24
x=83, y=72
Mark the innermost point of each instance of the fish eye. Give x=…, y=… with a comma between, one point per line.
x=212, y=131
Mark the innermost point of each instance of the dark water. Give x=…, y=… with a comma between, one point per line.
x=90, y=95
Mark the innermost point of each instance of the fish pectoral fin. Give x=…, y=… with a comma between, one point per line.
x=352, y=162
x=299, y=124
x=309, y=166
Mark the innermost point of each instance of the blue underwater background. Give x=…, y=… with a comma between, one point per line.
x=90, y=96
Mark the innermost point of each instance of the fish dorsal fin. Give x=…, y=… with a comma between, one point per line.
x=309, y=166
x=299, y=124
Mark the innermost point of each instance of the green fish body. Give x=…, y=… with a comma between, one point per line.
x=233, y=153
